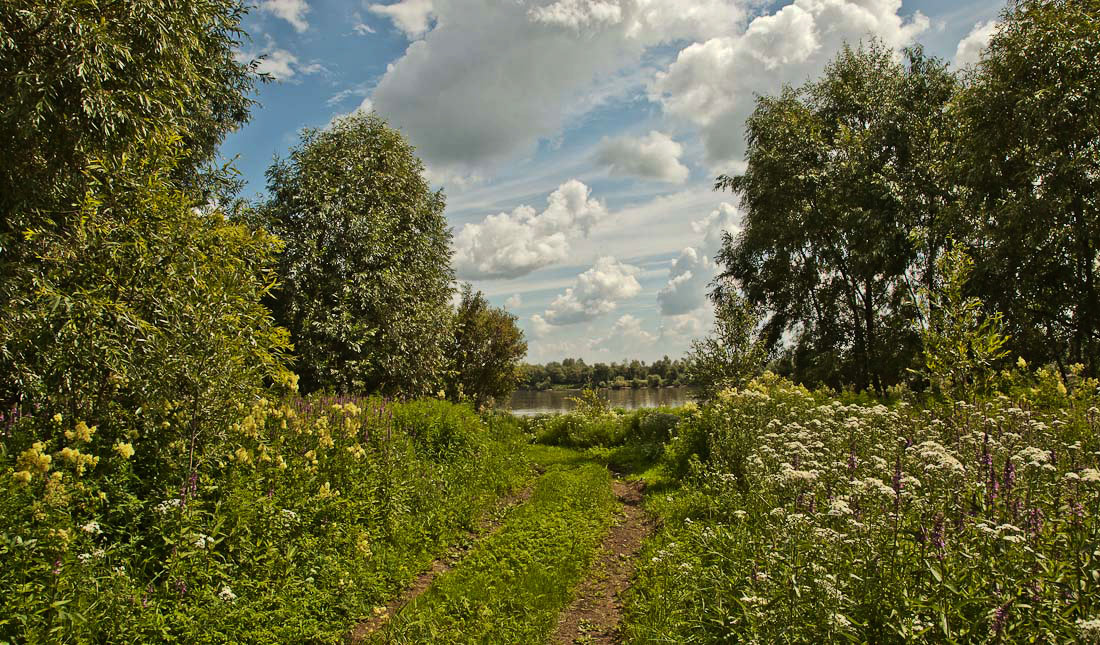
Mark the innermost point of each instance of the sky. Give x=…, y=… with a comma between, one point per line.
x=577, y=141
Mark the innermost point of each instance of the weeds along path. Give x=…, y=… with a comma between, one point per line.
x=512, y=585
x=488, y=525
x=596, y=612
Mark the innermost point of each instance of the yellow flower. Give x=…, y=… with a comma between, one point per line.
x=1021, y=363
x=57, y=418
x=243, y=456
x=83, y=432
x=34, y=458
x=125, y=450
x=22, y=476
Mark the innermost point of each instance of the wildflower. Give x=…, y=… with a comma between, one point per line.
x=34, y=458
x=243, y=456
x=227, y=594
x=21, y=476
x=1090, y=475
x=91, y=527
x=57, y=419
x=1089, y=629
x=125, y=450
x=81, y=432
x=999, y=618
x=1021, y=363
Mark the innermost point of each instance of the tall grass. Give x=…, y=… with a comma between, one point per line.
x=805, y=519
x=306, y=514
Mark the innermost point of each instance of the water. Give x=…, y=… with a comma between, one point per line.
x=529, y=402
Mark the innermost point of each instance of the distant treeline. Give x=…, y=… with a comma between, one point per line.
x=575, y=373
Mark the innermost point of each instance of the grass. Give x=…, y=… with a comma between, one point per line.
x=511, y=587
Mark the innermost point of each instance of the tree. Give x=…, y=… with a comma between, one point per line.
x=366, y=276
x=961, y=344
x=1031, y=159
x=838, y=175
x=142, y=318
x=734, y=353
x=486, y=351
x=81, y=81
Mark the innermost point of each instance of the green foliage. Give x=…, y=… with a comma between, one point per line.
x=510, y=588
x=839, y=172
x=486, y=351
x=804, y=519
x=733, y=354
x=142, y=318
x=308, y=513
x=365, y=275
x=1030, y=161
x=961, y=344
x=574, y=373
x=81, y=81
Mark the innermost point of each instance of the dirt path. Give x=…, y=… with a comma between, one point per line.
x=486, y=527
x=596, y=613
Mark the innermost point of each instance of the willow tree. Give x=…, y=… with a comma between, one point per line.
x=365, y=275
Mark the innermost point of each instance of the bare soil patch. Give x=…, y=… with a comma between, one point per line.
x=596, y=612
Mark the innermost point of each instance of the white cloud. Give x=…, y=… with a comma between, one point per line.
x=292, y=11
x=971, y=47
x=362, y=29
x=714, y=83
x=514, y=301
x=626, y=336
x=280, y=64
x=596, y=292
x=509, y=245
x=412, y=17
x=724, y=219
x=492, y=78
x=654, y=156
x=577, y=14
x=689, y=276
x=539, y=327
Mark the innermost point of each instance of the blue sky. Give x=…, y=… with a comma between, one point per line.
x=576, y=140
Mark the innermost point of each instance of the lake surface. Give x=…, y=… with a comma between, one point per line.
x=529, y=402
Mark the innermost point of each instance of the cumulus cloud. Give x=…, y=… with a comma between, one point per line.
x=654, y=156
x=577, y=14
x=713, y=227
x=280, y=64
x=691, y=273
x=687, y=283
x=626, y=335
x=509, y=245
x=514, y=301
x=595, y=292
x=970, y=48
x=292, y=11
x=539, y=327
x=491, y=78
x=713, y=83
x=412, y=17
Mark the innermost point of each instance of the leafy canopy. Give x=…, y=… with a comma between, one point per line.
x=365, y=274
x=486, y=350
